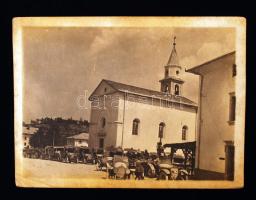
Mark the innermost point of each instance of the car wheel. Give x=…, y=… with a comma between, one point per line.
x=163, y=176
x=151, y=173
x=183, y=177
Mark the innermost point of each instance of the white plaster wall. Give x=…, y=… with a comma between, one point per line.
x=215, y=129
x=150, y=117
x=172, y=71
x=83, y=143
x=103, y=107
x=26, y=140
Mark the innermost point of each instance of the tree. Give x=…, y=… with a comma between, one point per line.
x=55, y=131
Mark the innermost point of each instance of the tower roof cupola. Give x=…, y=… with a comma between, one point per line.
x=173, y=59
x=172, y=82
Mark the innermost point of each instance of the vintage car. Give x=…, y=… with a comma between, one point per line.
x=176, y=165
x=71, y=154
x=31, y=153
x=45, y=153
x=84, y=155
x=25, y=152
x=182, y=156
x=103, y=163
x=119, y=168
x=149, y=168
x=145, y=160
x=99, y=153
x=28, y=152
x=55, y=153
x=133, y=156
x=104, y=158
x=165, y=170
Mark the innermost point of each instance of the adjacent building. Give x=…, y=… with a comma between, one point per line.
x=79, y=140
x=216, y=119
x=134, y=117
x=27, y=134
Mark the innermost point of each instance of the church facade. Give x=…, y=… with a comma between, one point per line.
x=133, y=117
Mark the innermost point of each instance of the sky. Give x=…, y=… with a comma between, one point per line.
x=60, y=64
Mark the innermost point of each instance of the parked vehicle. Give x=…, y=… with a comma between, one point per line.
x=182, y=156
x=45, y=153
x=99, y=153
x=55, y=153
x=149, y=168
x=84, y=155
x=120, y=168
x=72, y=155
x=31, y=153
x=165, y=170
x=103, y=163
x=27, y=153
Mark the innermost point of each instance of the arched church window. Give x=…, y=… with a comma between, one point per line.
x=184, y=132
x=166, y=89
x=166, y=72
x=103, y=122
x=161, y=130
x=135, y=126
x=177, y=89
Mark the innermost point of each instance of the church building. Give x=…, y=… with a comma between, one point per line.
x=134, y=117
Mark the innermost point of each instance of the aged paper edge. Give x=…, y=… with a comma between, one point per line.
x=239, y=23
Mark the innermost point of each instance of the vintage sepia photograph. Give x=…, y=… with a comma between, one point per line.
x=129, y=102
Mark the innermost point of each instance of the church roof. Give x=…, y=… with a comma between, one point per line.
x=121, y=87
x=173, y=59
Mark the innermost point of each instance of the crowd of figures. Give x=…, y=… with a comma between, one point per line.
x=120, y=163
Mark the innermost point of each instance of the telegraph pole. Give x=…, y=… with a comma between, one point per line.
x=53, y=138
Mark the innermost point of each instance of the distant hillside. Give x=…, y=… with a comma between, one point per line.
x=54, y=131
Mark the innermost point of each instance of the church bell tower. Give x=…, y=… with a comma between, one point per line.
x=172, y=83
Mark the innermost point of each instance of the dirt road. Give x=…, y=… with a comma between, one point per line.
x=45, y=168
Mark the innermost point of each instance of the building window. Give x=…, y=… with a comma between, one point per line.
x=166, y=88
x=232, y=108
x=25, y=138
x=177, y=72
x=184, y=132
x=135, y=126
x=177, y=90
x=103, y=122
x=101, y=143
x=234, y=70
x=166, y=72
x=161, y=130
x=105, y=89
x=25, y=144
